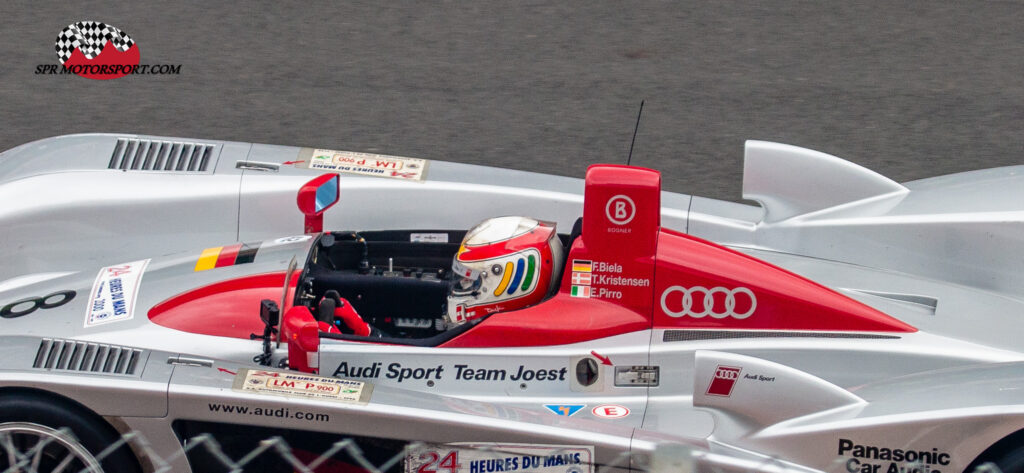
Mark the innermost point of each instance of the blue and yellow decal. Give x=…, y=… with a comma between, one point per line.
x=517, y=275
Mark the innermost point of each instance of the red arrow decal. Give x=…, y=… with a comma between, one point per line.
x=226, y=371
x=604, y=359
x=292, y=162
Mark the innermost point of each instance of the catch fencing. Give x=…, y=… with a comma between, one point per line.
x=50, y=455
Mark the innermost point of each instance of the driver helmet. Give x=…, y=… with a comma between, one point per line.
x=503, y=264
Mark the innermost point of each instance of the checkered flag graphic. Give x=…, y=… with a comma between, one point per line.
x=90, y=37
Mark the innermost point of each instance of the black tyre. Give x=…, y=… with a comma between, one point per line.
x=39, y=433
x=1012, y=461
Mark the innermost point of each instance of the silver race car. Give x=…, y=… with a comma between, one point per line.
x=175, y=292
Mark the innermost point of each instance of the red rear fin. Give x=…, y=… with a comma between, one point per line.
x=613, y=260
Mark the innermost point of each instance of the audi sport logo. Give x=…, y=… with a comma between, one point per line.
x=727, y=373
x=718, y=302
x=725, y=378
x=620, y=209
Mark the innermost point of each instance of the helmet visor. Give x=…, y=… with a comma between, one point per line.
x=466, y=280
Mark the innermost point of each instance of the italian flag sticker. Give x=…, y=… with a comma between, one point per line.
x=581, y=291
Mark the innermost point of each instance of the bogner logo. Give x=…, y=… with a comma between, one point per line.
x=620, y=209
x=725, y=378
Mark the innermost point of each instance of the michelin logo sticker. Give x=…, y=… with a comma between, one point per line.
x=113, y=293
x=500, y=457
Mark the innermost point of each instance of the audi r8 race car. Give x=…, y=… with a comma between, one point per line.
x=848, y=323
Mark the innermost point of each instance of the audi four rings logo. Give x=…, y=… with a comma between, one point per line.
x=725, y=378
x=727, y=373
x=698, y=301
x=620, y=209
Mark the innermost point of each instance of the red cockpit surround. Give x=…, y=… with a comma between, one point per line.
x=224, y=309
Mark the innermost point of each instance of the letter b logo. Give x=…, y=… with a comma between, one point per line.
x=620, y=209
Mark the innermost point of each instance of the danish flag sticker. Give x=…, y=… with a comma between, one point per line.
x=725, y=378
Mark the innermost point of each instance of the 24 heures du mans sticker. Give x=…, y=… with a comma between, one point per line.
x=477, y=457
x=113, y=293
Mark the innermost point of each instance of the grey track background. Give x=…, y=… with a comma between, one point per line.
x=910, y=89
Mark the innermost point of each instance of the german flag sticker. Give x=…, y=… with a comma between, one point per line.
x=239, y=253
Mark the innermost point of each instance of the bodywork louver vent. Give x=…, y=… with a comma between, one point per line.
x=132, y=154
x=99, y=358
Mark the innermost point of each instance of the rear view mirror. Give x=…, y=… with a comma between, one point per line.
x=315, y=197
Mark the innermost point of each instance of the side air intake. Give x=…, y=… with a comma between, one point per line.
x=99, y=358
x=131, y=154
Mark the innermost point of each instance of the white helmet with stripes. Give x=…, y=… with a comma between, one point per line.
x=504, y=263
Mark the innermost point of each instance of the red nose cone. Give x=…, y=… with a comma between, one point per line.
x=225, y=309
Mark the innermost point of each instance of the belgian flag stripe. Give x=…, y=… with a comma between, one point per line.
x=248, y=253
x=221, y=256
x=227, y=255
x=208, y=259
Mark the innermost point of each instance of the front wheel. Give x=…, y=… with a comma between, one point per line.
x=37, y=448
x=40, y=434
x=1012, y=461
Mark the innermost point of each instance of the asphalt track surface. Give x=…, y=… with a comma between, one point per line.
x=909, y=89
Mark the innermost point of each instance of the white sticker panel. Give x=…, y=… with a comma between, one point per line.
x=293, y=384
x=114, y=292
x=504, y=457
x=285, y=241
x=364, y=164
x=292, y=239
x=428, y=237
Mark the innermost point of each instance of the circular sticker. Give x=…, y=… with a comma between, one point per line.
x=620, y=209
x=292, y=239
x=610, y=411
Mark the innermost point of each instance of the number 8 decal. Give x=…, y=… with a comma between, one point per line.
x=29, y=305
